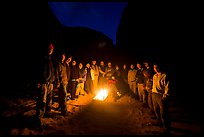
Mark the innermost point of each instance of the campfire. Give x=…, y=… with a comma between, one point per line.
x=101, y=95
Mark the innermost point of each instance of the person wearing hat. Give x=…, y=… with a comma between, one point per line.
x=45, y=86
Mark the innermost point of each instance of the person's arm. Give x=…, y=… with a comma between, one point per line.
x=47, y=72
x=57, y=75
x=92, y=73
x=166, y=86
x=154, y=84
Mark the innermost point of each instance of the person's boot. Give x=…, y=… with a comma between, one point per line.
x=47, y=112
x=38, y=121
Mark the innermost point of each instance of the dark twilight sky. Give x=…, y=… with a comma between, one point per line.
x=100, y=16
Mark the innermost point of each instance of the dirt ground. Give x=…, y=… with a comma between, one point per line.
x=126, y=116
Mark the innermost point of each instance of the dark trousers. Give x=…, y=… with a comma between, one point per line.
x=73, y=85
x=149, y=100
x=44, y=99
x=88, y=86
x=62, y=97
x=161, y=106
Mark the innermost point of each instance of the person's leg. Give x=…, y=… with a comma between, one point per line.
x=149, y=100
x=78, y=89
x=140, y=89
x=155, y=105
x=39, y=107
x=49, y=98
x=164, y=113
x=73, y=89
x=82, y=92
x=63, y=99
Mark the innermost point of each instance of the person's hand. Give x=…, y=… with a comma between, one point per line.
x=164, y=95
x=58, y=84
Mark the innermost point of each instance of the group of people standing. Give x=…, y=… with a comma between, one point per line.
x=70, y=80
x=149, y=85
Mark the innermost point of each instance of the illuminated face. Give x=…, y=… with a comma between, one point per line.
x=63, y=57
x=109, y=64
x=94, y=62
x=88, y=65
x=69, y=60
x=138, y=65
x=50, y=51
x=73, y=63
x=80, y=65
x=102, y=63
x=132, y=66
x=124, y=66
x=146, y=64
x=117, y=67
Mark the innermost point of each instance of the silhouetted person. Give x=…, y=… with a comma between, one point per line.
x=148, y=83
x=88, y=87
x=102, y=72
x=44, y=101
x=74, y=78
x=69, y=59
x=109, y=71
x=117, y=75
x=112, y=88
x=148, y=69
x=124, y=76
x=140, y=84
x=82, y=78
x=62, y=81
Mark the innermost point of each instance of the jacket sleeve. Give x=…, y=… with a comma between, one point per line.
x=47, y=71
x=92, y=74
x=166, y=85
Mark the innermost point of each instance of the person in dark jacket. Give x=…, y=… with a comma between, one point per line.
x=82, y=78
x=88, y=86
x=45, y=86
x=140, y=84
x=62, y=81
x=124, y=76
x=74, y=78
x=102, y=73
x=69, y=59
x=148, y=83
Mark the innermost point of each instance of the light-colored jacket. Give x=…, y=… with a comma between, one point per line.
x=132, y=75
x=160, y=84
x=95, y=69
x=92, y=74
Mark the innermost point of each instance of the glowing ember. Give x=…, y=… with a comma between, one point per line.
x=101, y=95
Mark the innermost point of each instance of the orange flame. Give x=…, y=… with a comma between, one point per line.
x=101, y=95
